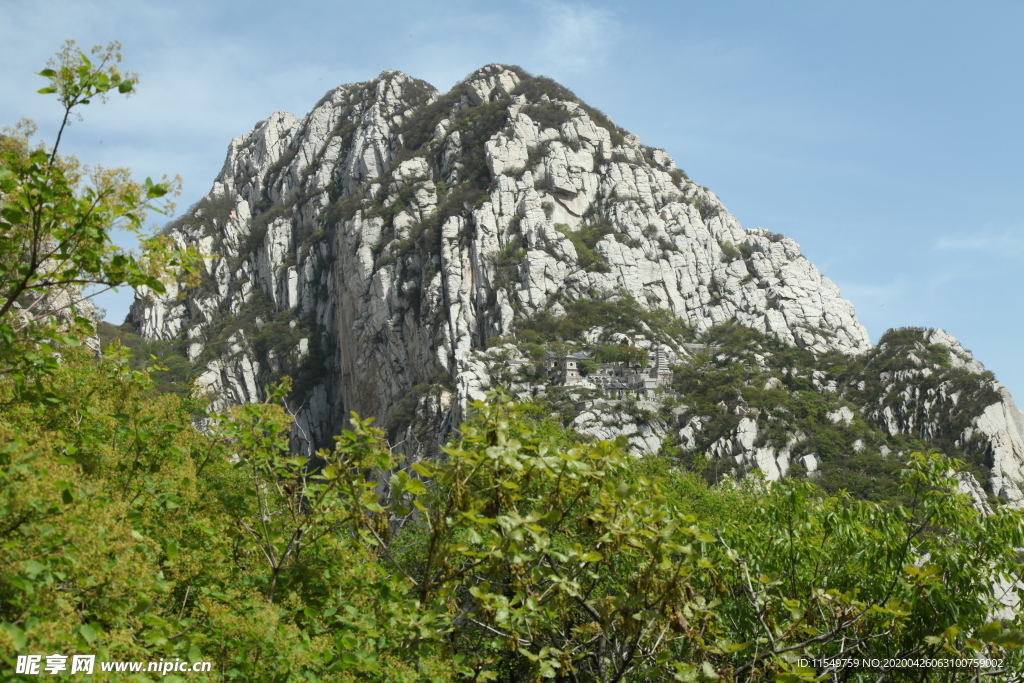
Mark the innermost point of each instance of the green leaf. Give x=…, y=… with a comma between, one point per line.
x=21, y=584
x=155, y=190
x=124, y=86
x=1008, y=638
x=415, y=486
x=709, y=673
x=989, y=631
x=16, y=634
x=34, y=568
x=422, y=469
x=87, y=632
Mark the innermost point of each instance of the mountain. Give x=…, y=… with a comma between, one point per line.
x=397, y=251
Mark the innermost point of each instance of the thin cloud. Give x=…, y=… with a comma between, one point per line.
x=1008, y=243
x=575, y=38
x=951, y=276
x=875, y=294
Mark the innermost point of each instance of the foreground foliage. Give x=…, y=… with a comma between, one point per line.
x=129, y=533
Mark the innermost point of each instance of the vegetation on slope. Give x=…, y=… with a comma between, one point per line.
x=791, y=393
x=169, y=368
x=795, y=396
x=614, y=314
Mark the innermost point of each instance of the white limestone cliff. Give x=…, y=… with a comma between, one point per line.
x=394, y=317
x=372, y=247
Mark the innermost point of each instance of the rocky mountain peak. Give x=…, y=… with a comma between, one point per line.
x=491, y=82
x=382, y=247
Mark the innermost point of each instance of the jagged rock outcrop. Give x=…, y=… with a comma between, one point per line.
x=924, y=383
x=638, y=421
x=369, y=247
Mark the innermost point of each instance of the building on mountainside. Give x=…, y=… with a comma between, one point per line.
x=616, y=378
x=517, y=362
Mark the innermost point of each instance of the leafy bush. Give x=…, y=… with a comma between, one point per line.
x=539, y=517
x=548, y=114
x=536, y=87
x=618, y=314
x=402, y=414
x=507, y=261
x=865, y=476
x=707, y=208
x=585, y=241
x=477, y=125
x=258, y=227
x=729, y=251
x=282, y=162
x=343, y=208
x=170, y=370
x=418, y=128
x=208, y=214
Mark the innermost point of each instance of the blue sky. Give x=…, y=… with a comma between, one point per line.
x=885, y=137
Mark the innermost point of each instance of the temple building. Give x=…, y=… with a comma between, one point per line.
x=618, y=378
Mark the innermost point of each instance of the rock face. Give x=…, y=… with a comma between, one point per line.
x=368, y=247
x=373, y=249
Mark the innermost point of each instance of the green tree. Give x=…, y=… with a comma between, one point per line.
x=804, y=575
x=56, y=219
x=538, y=559
x=126, y=532
x=580, y=563
x=634, y=357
